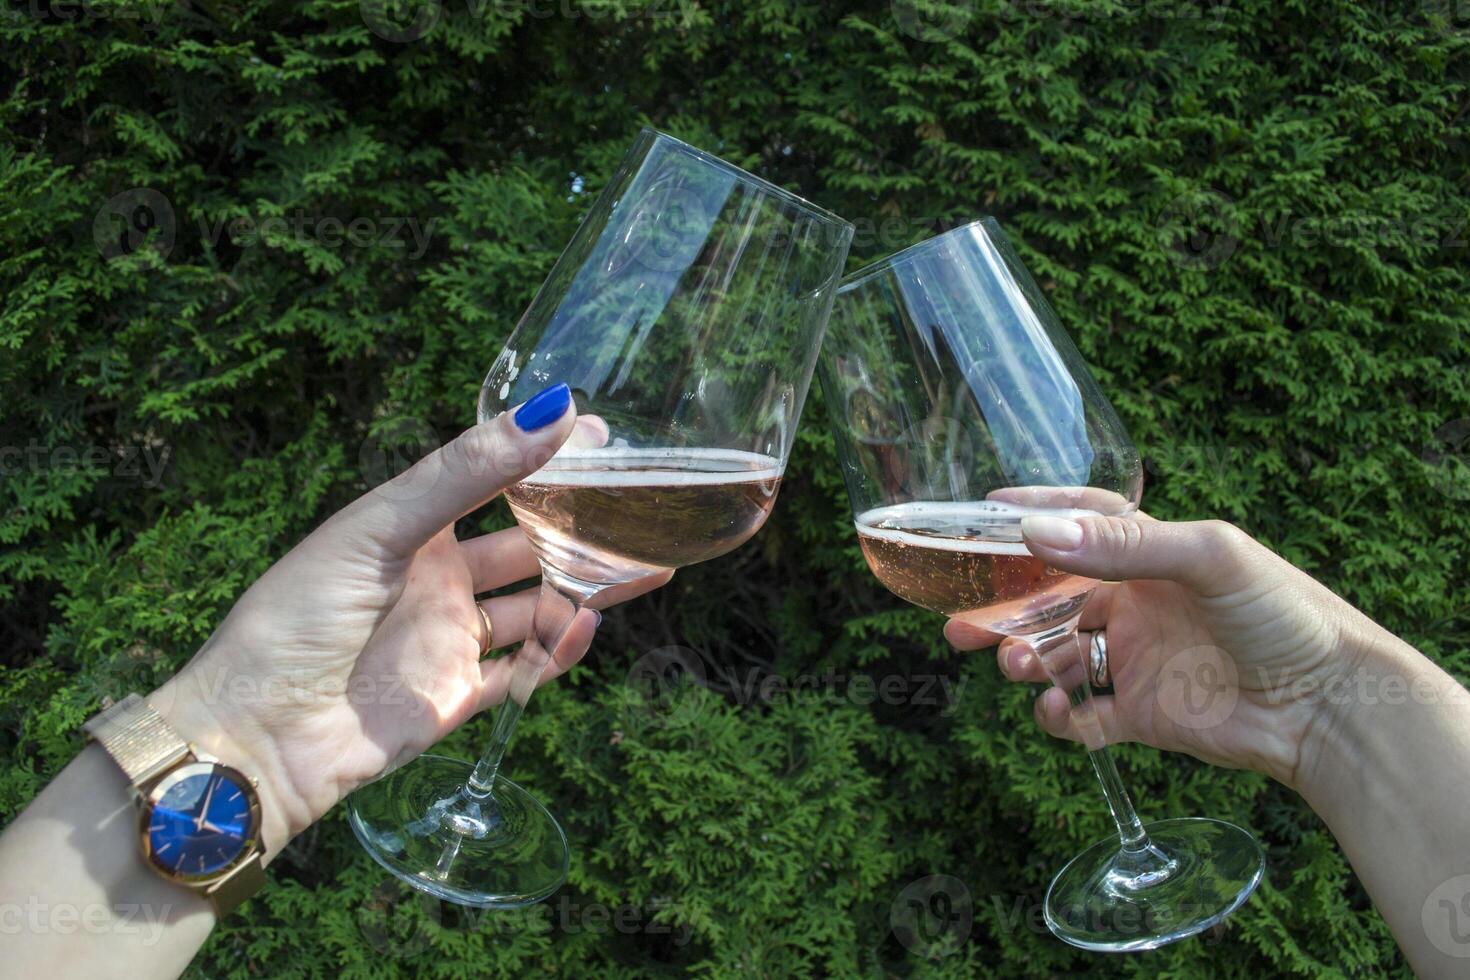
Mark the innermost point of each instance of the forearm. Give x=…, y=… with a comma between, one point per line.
x=1386, y=771
x=77, y=892
x=75, y=896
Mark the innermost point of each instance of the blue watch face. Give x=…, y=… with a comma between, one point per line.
x=200, y=825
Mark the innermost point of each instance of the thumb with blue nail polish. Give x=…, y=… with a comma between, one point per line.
x=481, y=462
x=543, y=408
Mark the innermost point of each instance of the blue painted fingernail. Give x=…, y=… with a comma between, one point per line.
x=544, y=408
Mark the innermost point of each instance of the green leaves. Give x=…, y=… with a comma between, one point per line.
x=1251, y=215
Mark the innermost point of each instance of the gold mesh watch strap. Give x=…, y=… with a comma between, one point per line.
x=138, y=739
x=243, y=882
x=146, y=747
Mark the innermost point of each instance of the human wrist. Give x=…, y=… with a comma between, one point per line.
x=201, y=718
x=1366, y=714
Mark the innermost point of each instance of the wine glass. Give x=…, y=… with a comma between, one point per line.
x=685, y=315
x=960, y=406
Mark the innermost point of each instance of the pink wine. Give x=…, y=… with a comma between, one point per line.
x=967, y=560
x=611, y=515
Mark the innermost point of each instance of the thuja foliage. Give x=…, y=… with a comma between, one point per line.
x=256, y=255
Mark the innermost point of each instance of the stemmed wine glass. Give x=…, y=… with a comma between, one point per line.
x=685, y=315
x=960, y=406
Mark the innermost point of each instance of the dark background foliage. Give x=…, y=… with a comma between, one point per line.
x=1251, y=214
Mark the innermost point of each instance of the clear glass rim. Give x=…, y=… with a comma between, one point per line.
x=747, y=177
x=914, y=251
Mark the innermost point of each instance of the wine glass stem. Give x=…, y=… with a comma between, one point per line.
x=1052, y=647
x=555, y=611
x=1130, y=829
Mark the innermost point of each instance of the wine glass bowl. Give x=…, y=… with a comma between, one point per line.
x=685, y=315
x=960, y=407
x=689, y=326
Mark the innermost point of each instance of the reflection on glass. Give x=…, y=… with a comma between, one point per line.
x=960, y=406
x=685, y=315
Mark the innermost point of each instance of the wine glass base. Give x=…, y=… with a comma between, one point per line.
x=1208, y=868
x=495, y=852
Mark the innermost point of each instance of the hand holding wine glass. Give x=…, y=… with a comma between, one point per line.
x=685, y=315
x=361, y=647
x=1208, y=634
x=1222, y=649
x=963, y=415
x=1217, y=646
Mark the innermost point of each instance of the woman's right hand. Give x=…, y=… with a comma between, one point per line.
x=1216, y=646
x=1219, y=648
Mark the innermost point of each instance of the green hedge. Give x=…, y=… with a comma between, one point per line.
x=1252, y=214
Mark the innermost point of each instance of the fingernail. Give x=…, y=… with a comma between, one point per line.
x=598, y=614
x=544, y=408
x=1056, y=533
x=1024, y=664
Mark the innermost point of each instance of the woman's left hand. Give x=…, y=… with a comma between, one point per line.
x=361, y=647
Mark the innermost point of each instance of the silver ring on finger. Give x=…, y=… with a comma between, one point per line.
x=1097, y=650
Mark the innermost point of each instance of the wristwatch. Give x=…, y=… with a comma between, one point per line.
x=199, y=820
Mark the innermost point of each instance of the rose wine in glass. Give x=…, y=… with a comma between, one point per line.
x=959, y=407
x=967, y=560
x=615, y=515
x=685, y=315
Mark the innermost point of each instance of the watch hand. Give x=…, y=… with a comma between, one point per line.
x=206, y=825
x=204, y=808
